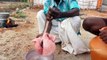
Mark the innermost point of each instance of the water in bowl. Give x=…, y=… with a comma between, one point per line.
x=33, y=55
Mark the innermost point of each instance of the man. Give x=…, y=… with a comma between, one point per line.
x=97, y=26
x=63, y=16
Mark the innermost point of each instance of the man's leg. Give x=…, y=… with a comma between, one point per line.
x=41, y=18
x=93, y=24
x=76, y=23
x=71, y=42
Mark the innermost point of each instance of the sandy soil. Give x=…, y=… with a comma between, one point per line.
x=93, y=13
x=16, y=42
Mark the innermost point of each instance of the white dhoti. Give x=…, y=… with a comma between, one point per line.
x=66, y=32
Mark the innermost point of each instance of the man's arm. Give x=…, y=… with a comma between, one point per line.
x=73, y=10
x=71, y=13
x=48, y=26
x=48, y=23
x=56, y=13
x=96, y=26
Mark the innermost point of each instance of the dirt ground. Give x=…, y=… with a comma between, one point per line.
x=16, y=42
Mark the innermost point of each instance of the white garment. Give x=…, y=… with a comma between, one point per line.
x=71, y=42
x=41, y=23
x=66, y=32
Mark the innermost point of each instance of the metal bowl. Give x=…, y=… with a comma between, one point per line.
x=2, y=23
x=33, y=55
x=4, y=15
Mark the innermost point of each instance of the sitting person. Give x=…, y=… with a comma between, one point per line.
x=64, y=22
x=95, y=26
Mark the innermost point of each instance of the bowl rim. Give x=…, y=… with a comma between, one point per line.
x=4, y=13
x=30, y=51
x=25, y=57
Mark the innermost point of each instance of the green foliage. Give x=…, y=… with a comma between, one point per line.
x=19, y=14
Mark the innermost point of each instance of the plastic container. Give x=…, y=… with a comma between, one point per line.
x=99, y=4
x=33, y=55
x=98, y=49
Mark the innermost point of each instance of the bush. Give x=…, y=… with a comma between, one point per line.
x=19, y=14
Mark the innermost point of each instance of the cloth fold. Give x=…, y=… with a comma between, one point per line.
x=71, y=42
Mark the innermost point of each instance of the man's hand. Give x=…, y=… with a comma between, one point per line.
x=39, y=35
x=49, y=16
x=103, y=34
x=54, y=12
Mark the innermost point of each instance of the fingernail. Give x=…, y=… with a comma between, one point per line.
x=103, y=28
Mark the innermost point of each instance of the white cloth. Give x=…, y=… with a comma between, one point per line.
x=66, y=32
x=41, y=23
x=71, y=42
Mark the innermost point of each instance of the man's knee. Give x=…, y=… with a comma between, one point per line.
x=40, y=14
x=87, y=23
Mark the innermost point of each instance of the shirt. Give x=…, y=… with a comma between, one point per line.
x=63, y=6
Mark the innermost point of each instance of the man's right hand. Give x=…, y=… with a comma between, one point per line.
x=55, y=12
x=49, y=16
x=39, y=35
